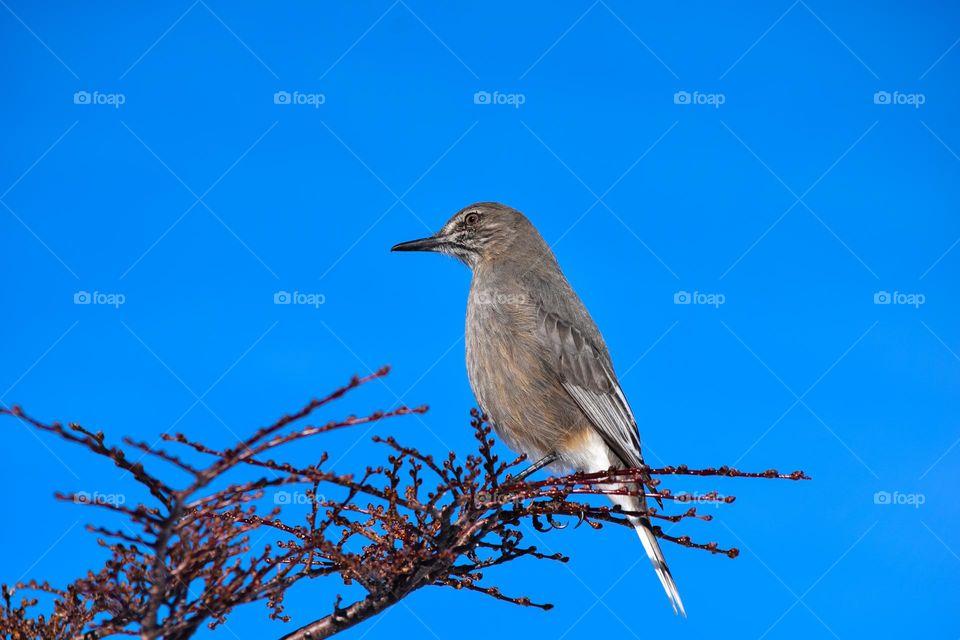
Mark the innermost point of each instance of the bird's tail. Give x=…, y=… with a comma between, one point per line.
x=652, y=547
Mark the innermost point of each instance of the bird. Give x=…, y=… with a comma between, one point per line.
x=536, y=361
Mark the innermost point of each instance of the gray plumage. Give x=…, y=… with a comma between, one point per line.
x=536, y=361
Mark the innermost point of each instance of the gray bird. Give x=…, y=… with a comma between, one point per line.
x=537, y=363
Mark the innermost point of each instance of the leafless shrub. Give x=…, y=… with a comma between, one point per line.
x=185, y=559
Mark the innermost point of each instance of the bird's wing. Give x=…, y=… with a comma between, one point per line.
x=587, y=375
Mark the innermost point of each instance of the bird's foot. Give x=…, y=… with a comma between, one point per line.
x=546, y=460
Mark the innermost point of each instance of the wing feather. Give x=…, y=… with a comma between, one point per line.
x=588, y=377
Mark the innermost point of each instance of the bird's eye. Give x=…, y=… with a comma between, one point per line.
x=472, y=218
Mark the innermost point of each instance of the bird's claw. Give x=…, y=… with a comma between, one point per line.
x=581, y=517
x=538, y=525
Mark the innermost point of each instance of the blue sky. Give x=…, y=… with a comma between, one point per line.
x=183, y=163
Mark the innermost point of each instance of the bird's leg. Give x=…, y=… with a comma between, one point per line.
x=548, y=459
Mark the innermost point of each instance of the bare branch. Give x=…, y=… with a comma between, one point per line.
x=410, y=522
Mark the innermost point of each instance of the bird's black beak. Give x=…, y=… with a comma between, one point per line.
x=432, y=243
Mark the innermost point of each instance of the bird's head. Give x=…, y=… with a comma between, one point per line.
x=477, y=233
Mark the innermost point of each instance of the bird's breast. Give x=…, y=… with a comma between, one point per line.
x=510, y=372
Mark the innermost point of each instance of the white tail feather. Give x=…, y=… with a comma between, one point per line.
x=596, y=455
x=652, y=547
